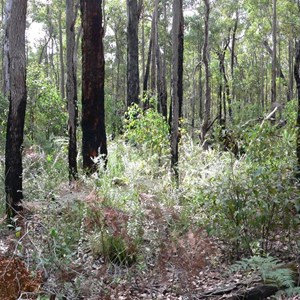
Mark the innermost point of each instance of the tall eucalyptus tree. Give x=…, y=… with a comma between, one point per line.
x=93, y=121
x=177, y=76
x=16, y=92
x=71, y=88
x=133, y=15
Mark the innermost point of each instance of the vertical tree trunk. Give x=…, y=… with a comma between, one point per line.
x=207, y=71
x=297, y=79
x=61, y=55
x=93, y=123
x=200, y=93
x=146, y=104
x=71, y=89
x=160, y=79
x=193, y=98
x=133, y=13
x=143, y=50
x=164, y=65
x=262, y=85
x=177, y=72
x=274, y=56
x=15, y=83
x=290, y=93
x=2, y=47
x=153, y=56
x=118, y=82
x=232, y=58
x=163, y=96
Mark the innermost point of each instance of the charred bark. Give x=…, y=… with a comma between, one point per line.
x=15, y=78
x=177, y=72
x=133, y=89
x=93, y=121
x=297, y=79
x=71, y=89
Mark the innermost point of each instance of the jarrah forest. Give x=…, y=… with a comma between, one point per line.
x=150, y=149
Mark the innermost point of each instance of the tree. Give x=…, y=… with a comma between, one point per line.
x=133, y=14
x=61, y=55
x=93, y=122
x=71, y=89
x=207, y=71
x=177, y=72
x=15, y=89
x=297, y=79
x=274, y=55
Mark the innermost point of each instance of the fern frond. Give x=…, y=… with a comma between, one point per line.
x=270, y=269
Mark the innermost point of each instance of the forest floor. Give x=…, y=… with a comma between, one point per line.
x=168, y=262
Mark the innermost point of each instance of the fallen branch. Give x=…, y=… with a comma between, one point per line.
x=269, y=116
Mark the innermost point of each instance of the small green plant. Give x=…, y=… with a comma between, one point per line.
x=116, y=248
x=147, y=129
x=270, y=269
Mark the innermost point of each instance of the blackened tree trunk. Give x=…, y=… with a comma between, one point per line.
x=177, y=72
x=71, y=89
x=297, y=79
x=133, y=89
x=93, y=123
x=15, y=83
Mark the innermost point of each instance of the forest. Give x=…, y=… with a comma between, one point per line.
x=149, y=149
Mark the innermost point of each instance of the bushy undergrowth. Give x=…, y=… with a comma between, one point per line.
x=44, y=171
x=248, y=202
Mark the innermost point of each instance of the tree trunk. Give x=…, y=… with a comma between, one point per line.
x=274, y=56
x=15, y=83
x=146, y=103
x=207, y=71
x=177, y=72
x=153, y=56
x=71, y=89
x=61, y=56
x=133, y=13
x=297, y=79
x=93, y=123
x=227, y=99
x=163, y=95
x=290, y=94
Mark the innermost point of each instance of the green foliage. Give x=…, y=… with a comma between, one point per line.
x=254, y=196
x=270, y=270
x=147, y=130
x=113, y=116
x=46, y=111
x=114, y=248
x=244, y=201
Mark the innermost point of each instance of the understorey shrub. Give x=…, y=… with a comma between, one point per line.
x=250, y=201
